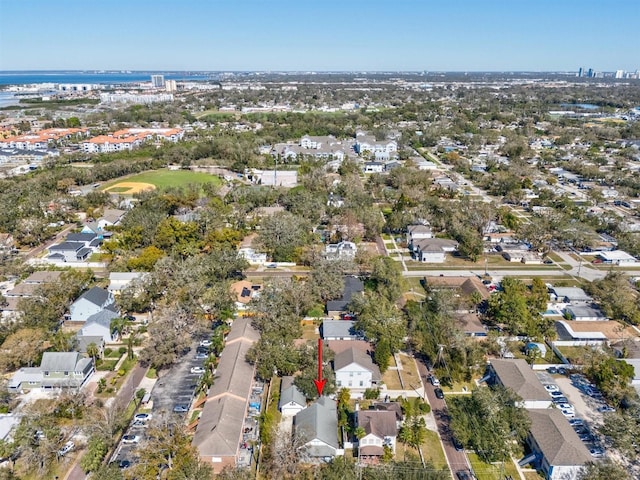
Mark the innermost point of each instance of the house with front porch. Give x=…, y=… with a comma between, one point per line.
x=57, y=370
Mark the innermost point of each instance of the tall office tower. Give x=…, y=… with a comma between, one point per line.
x=157, y=81
x=170, y=86
x=590, y=73
x=619, y=73
x=580, y=72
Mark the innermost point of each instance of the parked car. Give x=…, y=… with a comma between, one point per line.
x=568, y=413
x=606, y=409
x=198, y=370
x=566, y=406
x=130, y=439
x=200, y=356
x=552, y=370
x=434, y=381
x=596, y=452
x=205, y=343
x=551, y=389
x=439, y=393
x=124, y=463
x=456, y=444
x=66, y=448
x=464, y=475
x=181, y=408
x=138, y=424
x=576, y=421
x=143, y=417
x=559, y=400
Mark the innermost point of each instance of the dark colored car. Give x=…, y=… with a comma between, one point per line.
x=439, y=393
x=456, y=443
x=124, y=463
x=552, y=370
x=464, y=475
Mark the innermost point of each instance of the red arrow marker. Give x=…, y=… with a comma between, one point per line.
x=320, y=382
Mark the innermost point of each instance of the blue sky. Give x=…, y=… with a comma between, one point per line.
x=461, y=35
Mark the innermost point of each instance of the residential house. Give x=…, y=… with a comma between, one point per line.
x=244, y=292
x=292, y=400
x=517, y=375
x=418, y=232
x=355, y=370
x=317, y=427
x=585, y=313
x=110, y=217
x=432, y=250
x=557, y=450
x=568, y=295
x=618, y=257
x=335, y=201
x=373, y=167
x=341, y=251
x=352, y=285
x=251, y=256
x=219, y=433
x=82, y=342
x=100, y=324
x=380, y=429
x=91, y=302
x=118, y=281
x=69, y=252
x=339, y=330
x=57, y=370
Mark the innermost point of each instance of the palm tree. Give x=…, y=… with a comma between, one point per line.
x=117, y=326
x=93, y=351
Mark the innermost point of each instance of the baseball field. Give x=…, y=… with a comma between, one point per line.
x=158, y=179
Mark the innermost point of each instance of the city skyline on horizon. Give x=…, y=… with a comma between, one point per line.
x=332, y=36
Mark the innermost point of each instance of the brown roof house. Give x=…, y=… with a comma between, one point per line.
x=380, y=429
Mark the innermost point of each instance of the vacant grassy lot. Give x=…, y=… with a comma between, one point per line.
x=167, y=178
x=490, y=471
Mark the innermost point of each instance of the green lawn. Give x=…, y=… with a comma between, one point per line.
x=167, y=178
x=432, y=450
x=491, y=471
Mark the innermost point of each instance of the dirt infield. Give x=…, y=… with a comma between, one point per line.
x=129, y=188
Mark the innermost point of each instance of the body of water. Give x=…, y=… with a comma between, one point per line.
x=585, y=106
x=28, y=78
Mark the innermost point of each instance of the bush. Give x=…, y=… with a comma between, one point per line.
x=122, y=372
x=372, y=393
x=122, y=350
x=107, y=352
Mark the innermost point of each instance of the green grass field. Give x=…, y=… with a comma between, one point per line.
x=167, y=178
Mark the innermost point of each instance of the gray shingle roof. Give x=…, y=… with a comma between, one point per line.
x=290, y=393
x=43, y=277
x=556, y=439
x=96, y=295
x=519, y=377
x=338, y=329
x=103, y=317
x=59, y=361
x=351, y=285
x=65, y=246
x=319, y=421
x=80, y=237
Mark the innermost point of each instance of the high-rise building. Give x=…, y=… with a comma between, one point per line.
x=157, y=81
x=170, y=86
x=590, y=73
x=580, y=72
x=619, y=73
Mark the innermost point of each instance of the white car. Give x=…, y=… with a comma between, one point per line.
x=198, y=370
x=551, y=388
x=142, y=417
x=205, y=343
x=434, y=381
x=131, y=439
x=568, y=413
x=67, y=447
x=566, y=406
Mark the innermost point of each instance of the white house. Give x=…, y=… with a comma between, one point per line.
x=91, y=302
x=99, y=325
x=57, y=370
x=251, y=256
x=292, y=400
x=343, y=250
x=380, y=429
x=118, y=281
x=373, y=167
x=355, y=370
x=617, y=257
x=418, y=232
x=432, y=250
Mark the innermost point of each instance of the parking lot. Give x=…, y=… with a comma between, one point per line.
x=587, y=414
x=177, y=386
